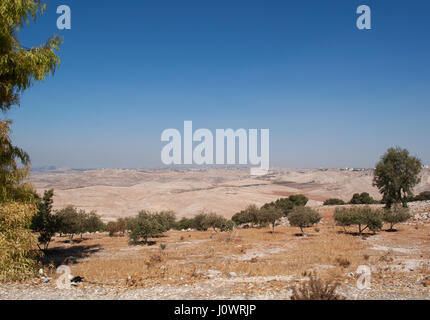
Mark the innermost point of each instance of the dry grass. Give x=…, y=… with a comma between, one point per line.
x=188, y=256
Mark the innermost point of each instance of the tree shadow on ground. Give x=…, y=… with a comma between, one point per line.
x=357, y=234
x=143, y=243
x=68, y=255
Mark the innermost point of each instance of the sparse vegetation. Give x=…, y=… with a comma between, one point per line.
x=303, y=217
x=364, y=217
x=45, y=222
x=147, y=225
x=72, y=222
x=249, y=215
x=118, y=226
x=396, y=214
x=396, y=175
x=316, y=289
x=270, y=215
x=423, y=196
x=286, y=205
x=334, y=202
x=362, y=198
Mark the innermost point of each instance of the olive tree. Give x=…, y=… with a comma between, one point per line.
x=396, y=214
x=270, y=215
x=396, y=174
x=303, y=217
x=249, y=215
x=365, y=218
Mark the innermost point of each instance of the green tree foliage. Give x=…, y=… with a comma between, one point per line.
x=145, y=225
x=14, y=166
x=203, y=221
x=423, y=196
x=270, y=215
x=185, y=224
x=215, y=221
x=72, y=221
x=288, y=204
x=396, y=214
x=396, y=175
x=227, y=226
x=334, y=202
x=364, y=218
x=249, y=215
x=45, y=222
x=16, y=242
x=363, y=198
x=92, y=222
x=167, y=219
x=303, y=217
x=19, y=66
x=298, y=199
x=200, y=222
x=19, y=69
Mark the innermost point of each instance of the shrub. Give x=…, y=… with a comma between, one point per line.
x=214, y=221
x=73, y=222
x=185, y=224
x=201, y=222
x=284, y=204
x=70, y=221
x=112, y=227
x=363, y=198
x=270, y=215
x=249, y=215
x=228, y=226
x=167, y=219
x=121, y=225
x=423, y=196
x=316, y=289
x=44, y=222
x=92, y=222
x=303, y=217
x=298, y=199
x=17, y=259
x=333, y=202
x=364, y=218
x=144, y=226
x=396, y=214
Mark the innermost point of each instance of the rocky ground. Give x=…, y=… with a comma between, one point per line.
x=399, y=261
x=215, y=289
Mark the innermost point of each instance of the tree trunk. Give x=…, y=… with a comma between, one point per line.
x=301, y=229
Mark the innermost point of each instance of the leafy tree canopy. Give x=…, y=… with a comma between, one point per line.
x=396, y=175
x=20, y=66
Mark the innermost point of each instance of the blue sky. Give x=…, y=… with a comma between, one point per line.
x=332, y=95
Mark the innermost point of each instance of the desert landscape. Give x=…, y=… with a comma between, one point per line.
x=115, y=193
x=214, y=150
x=254, y=263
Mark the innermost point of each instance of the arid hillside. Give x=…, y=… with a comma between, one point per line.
x=117, y=193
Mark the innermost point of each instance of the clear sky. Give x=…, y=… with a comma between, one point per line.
x=332, y=95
